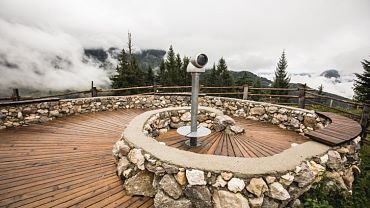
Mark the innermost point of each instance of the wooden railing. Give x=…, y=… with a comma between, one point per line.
x=300, y=96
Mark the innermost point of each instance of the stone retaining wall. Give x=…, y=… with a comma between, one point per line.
x=180, y=179
x=286, y=117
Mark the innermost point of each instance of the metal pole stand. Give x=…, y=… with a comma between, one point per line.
x=192, y=131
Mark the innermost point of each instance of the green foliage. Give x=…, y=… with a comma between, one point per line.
x=361, y=186
x=128, y=72
x=320, y=90
x=225, y=78
x=281, y=79
x=245, y=80
x=213, y=78
x=323, y=196
x=256, y=84
x=362, y=83
x=326, y=196
x=172, y=70
x=149, y=76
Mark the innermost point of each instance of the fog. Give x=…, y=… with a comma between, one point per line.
x=250, y=35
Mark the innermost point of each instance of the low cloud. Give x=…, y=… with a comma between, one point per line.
x=33, y=58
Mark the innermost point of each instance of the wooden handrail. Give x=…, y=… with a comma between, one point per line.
x=64, y=94
x=337, y=99
x=274, y=89
x=126, y=88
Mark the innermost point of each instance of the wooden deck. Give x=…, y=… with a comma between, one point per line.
x=340, y=130
x=68, y=162
x=260, y=140
x=65, y=163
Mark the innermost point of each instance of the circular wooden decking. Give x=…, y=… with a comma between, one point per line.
x=68, y=162
x=260, y=140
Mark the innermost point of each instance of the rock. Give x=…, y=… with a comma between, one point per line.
x=127, y=173
x=297, y=204
x=202, y=117
x=19, y=115
x=120, y=149
x=218, y=103
x=272, y=109
x=275, y=121
x=195, y=177
x=343, y=150
x=186, y=117
x=181, y=178
x=220, y=182
x=337, y=179
x=140, y=184
x=277, y=191
x=161, y=200
x=162, y=131
x=122, y=165
x=176, y=125
x=286, y=179
x=170, y=186
x=269, y=203
x=281, y=117
x=295, y=122
x=270, y=179
x=257, y=111
x=348, y=178
x=282, y=111
x=225, y=199
x=257, y=186
x=237, y=129
x=235, y=185
x=316, y=168
x=135, y=156
x=226, y=176
x=324, y=159
x=309, y=121
x=304, y=177
x=222, y=122
x=256, y=202
x=175, y=119
x=200, y=196
x=334, y=160
x=171, y=169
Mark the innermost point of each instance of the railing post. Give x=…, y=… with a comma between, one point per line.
x=154, y=89
x=331, y=103
x=245, y=92
x=365, y=119
x=301, y=99
x=15, y=95
x=94, y=91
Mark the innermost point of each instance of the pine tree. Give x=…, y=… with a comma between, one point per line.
x=121, y=78
x=149, y=78
x=163, y=74
x=281, y=79
x=256, y=84
x=225, y=77
x=185, y=77
x=320, y=90
x=362, y=83
x=171, y=66
x=245, y=80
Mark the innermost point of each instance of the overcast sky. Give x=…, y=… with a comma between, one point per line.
x=316, y=34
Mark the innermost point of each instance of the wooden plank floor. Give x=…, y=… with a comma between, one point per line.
x=340, y=130
x=65, y=163
x=260, y=140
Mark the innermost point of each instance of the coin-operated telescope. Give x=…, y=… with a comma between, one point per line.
x=195, y=67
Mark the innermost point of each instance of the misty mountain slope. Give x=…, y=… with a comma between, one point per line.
x=335, y=82
x=108, y=59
